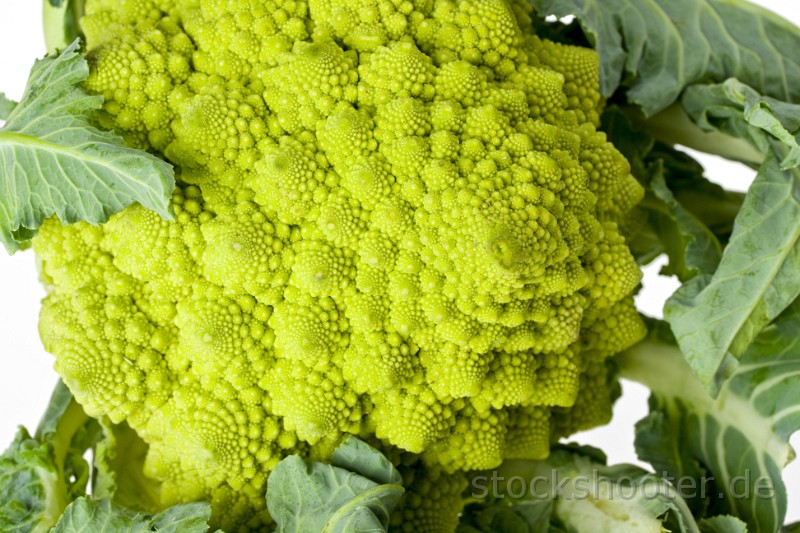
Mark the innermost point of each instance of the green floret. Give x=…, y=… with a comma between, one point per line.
x=395, y=71
x=393, y=219
x=136, y=71
x=309, y=83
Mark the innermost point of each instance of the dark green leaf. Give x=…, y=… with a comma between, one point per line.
x=659, y=441
x=661, y=223
x=691, y=247
x=508, y=516
x=41, y=475
x=656, y=48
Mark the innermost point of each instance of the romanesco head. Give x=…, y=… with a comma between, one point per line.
x=393, y=218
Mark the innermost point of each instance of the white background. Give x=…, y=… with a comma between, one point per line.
x=26, y=375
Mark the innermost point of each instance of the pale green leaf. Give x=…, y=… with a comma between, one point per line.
x=584, y=496
x=61, y=20
x=61, y=401
x=737, y=109
x=315, y=496
x=715, y=319
x=359, y=457
x=119, y=458
x=53, y=161
x=7, y=105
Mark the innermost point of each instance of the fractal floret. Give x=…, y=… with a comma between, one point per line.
x=393, y=218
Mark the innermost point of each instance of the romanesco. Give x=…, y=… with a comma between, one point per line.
x=394, y=218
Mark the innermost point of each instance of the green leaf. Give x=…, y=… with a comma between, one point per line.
x=6, y=106
x=61, y=401
x=86, y=515
x=359, y=457
x=43, y=479
x=119, y=469
x=722, y=524
x=508, y=516
x=739, y=110
x=655, y=48
x=330, y=497
x=54, y=162
x=642, y=503
x=691, y=246
x=41, y=475
x=715, y=319
x=731, y=449
x=30, y=499
x=659, y=442
x=756, y=279
x=574, y=492
x=663, y=222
